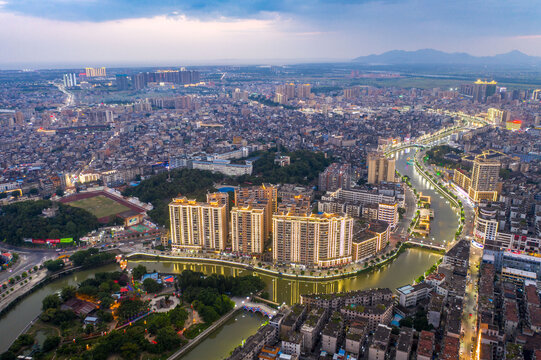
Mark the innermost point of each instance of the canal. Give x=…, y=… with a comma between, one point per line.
x=29, y=308
x=403, y=270
x=223, y=341
x=446, y=219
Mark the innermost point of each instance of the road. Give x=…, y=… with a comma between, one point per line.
x=411, y=207
x=70, y=99
x=28, y=258
x=469, y=323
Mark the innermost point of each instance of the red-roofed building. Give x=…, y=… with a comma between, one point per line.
x=425, y=348
x=451, y=347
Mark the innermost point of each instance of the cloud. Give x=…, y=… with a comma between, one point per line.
x=139, y=31
x=160, y=39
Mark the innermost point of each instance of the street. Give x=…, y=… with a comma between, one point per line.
x=28, y=258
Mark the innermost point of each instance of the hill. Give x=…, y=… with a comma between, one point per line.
x=436, y=57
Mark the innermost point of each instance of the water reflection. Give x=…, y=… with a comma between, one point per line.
x=403, y=270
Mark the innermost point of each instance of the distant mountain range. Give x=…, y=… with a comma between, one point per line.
x=436, y=57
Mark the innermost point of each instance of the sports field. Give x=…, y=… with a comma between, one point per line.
x=100, y=206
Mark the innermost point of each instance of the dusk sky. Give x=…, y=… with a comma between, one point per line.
x=133, y=32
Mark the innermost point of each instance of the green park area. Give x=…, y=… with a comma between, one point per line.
x=25, y=219
x=118, y=315
x=100, y=206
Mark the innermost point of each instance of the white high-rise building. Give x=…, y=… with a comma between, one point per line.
x=70, y=80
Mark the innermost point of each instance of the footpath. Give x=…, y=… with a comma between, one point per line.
x=21, y=288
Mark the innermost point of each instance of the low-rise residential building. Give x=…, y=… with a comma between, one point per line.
x=312, y=327
x=410, y=295
x=253, y=345
x=336, y=301
x=435, y=308
x=425, y=347
x=380, y=343
x=292, y=343
x=404, y=344
x=293, y=320
x=355, y=338
x=332, y=334
x=458, y=255
x=374, y=315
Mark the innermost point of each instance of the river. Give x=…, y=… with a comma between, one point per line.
x=446, y=219
x=29, y=308
x=403, y=270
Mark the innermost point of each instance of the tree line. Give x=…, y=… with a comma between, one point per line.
x=25, y=220
x=161, y=188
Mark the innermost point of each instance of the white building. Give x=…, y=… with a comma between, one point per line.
x=410, y=295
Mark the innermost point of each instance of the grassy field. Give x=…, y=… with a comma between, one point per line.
x=100, y=206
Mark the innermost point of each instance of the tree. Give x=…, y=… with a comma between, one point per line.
x=130, y=308
x=167, y=339
x=68, y=292
x=130, y=351
x=8, y=355
x=157, y=322
x=50, y=343
x=178, y=316
x=152, y=286
x=24, y=220
x=50, y=302
x=54, y=265
x=59, y=191
x=139, y=271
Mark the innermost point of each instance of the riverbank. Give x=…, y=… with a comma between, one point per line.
x=261, y=269
x=445, y=192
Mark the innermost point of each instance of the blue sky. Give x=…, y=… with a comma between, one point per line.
x=190, y=31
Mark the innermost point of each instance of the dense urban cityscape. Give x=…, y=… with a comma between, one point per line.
x=379, y=207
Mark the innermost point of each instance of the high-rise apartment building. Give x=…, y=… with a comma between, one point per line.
x=221, y=198
x=483, y=182
x=70, y=80
x=352, y=92
x=336, y=176
x=122, y=82
x=485, y=227
x=304, y=91
x=484, y=179
x=497, y=116
x=263, y=197
x=380, y=168
x=182, y=76
x=388, y=213
x=287, y=90
x=370, y=241
x=483, y=89
x=95, y=72
x=290, y=91
x=265, y=191
x=248, y=228
x=315, y=240
x=197, y=226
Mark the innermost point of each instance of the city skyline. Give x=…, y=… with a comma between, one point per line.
x=59, y=33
